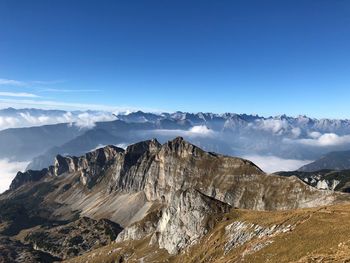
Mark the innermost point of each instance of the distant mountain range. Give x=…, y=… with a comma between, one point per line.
x=300, y=138
x=339, y=160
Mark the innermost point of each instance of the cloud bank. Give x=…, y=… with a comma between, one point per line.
x=195, y=131
x=8, y=171
x=323, y=140
x=29, y=119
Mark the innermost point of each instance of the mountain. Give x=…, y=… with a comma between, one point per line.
x=339, y=160
x=169, y=195
x=25, y=143
x=301, y=138
x=229, y=133
x=104, y=133
x=324, y=179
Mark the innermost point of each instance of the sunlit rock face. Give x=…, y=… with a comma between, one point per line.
x=172, y=193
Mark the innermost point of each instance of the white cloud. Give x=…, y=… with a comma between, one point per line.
x=80, y=119
x=296, y=132
x=195, y=131
x=326, y=139
x=11, y=82
x=271, y=164
x=88, y=120
x=8, y=171
x=274, y=125
x=18, y=94
x=315, y=134
x=201, y=130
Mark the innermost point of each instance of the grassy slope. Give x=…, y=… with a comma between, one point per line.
x=320, y=235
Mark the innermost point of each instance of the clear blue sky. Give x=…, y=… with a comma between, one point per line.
x=266, y=57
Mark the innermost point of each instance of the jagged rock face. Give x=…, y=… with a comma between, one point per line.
x=179, y=224
x=179, y=165
x=160, y=170
x=90, y=166
x=189, y=217
x=29, y=176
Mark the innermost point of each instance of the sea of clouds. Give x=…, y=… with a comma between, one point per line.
x=8, y=171
x=29, y=119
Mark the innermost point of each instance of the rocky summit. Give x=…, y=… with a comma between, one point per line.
x=169, y=197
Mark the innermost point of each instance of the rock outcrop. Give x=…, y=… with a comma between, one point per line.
x=15, y=251
x=73, y=239
x=29, y=176
x=186, y=219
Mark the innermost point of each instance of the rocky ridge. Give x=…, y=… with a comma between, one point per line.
x=173, y=194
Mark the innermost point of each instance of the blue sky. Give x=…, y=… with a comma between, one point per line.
x=265, y=57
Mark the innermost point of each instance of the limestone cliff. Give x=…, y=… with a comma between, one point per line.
x=172, y=193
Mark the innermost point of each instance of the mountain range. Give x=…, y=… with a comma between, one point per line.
x=160, y=202
x=286, y=139
x=239, y=128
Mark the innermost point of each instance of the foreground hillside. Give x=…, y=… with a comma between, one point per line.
x=170, y=198
x=304, y=235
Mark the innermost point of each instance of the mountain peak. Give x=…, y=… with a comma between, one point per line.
x=178, y=140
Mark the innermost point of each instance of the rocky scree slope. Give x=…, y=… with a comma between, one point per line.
x=173, y=193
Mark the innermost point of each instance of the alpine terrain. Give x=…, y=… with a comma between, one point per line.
x=166, y=202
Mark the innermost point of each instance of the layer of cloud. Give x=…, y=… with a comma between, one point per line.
x=195, y=131
x=88, y=120
x=18, y=94
x=29, y=119
x=8, y=171
x=271, y=164
x=324, y=140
